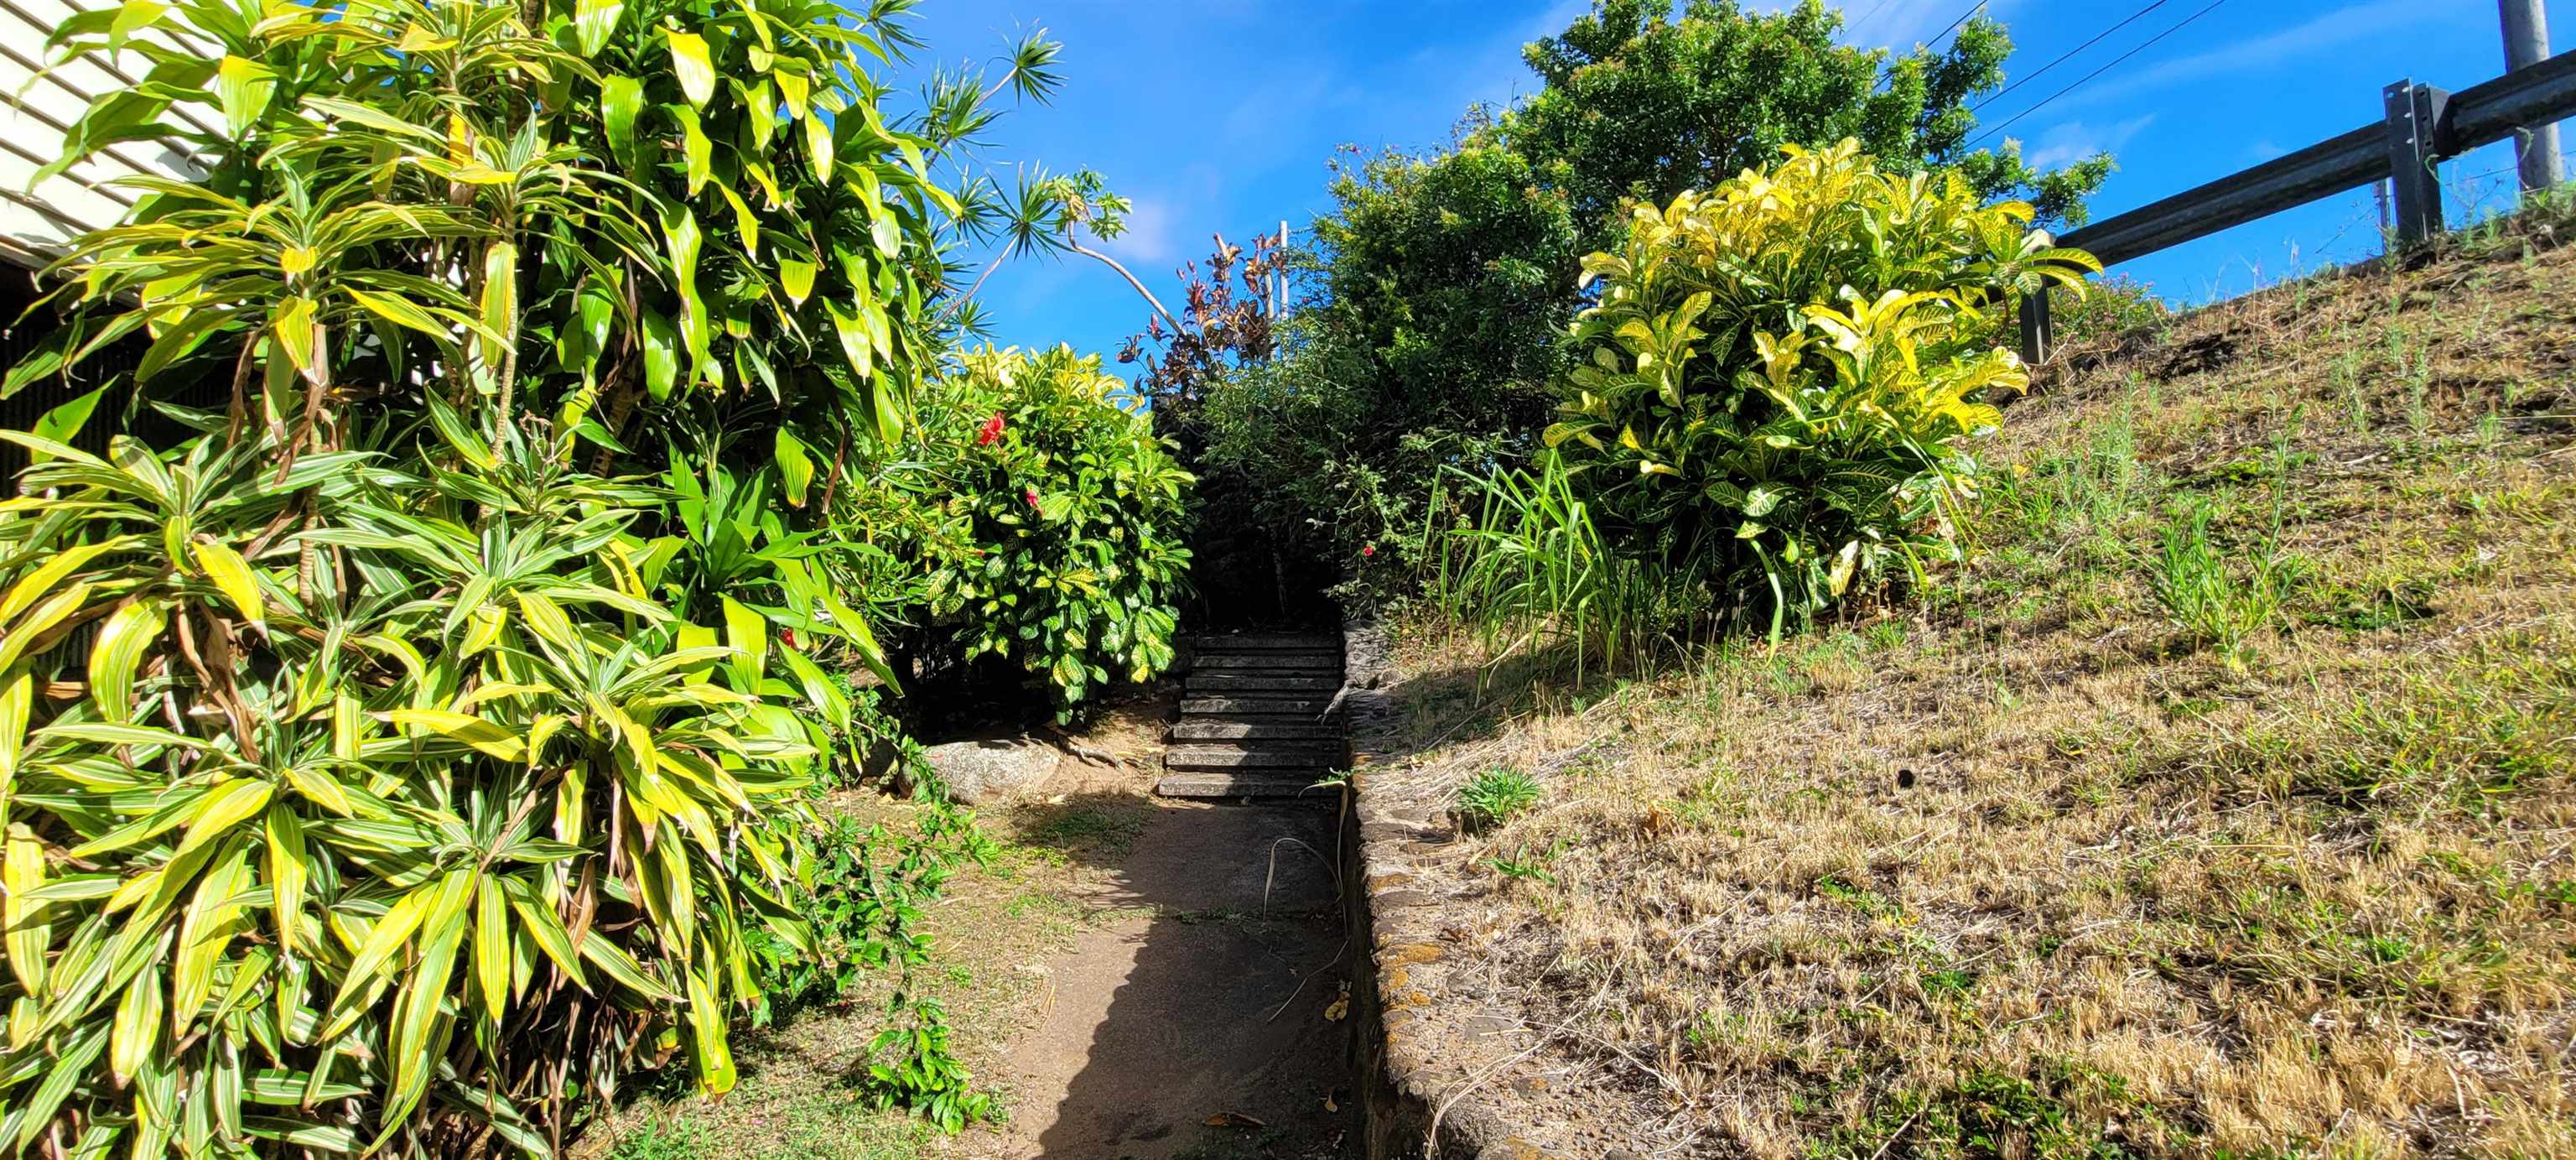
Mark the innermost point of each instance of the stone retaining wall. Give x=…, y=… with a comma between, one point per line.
x=1402, y=954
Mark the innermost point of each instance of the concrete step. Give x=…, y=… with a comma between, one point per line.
x=1324, y=749
x=1255, y=706
x=1243, y=785
x=1263, y=684
x=1321, y=662
x=1254, y=729
x=1221, y=758
x=1265, y=641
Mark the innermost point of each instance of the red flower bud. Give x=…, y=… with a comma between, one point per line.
x=1368, y=550
x=992, y=431
x=787, y=636
x=1030, y=495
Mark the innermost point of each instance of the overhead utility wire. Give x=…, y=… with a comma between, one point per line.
x=1962, y=19
x=2063, y=57
x=1865, y=17
x=2115, y=63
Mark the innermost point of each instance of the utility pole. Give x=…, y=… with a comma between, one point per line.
x=2526, y=43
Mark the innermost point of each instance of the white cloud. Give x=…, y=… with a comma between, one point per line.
x=2076, y=140
x=1152, y=234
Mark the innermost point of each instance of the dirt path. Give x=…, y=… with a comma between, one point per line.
x=1196, y=1014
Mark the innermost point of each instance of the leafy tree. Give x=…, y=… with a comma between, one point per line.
x=1643, y=103
x=1447, y=282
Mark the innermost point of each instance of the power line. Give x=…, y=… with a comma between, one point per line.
x=2069, y=53
x=1865, y=17
x=2115, y=63
x=1962, y=19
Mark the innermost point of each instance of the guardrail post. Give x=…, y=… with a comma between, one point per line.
x=2038, y=330
x=2413, y=111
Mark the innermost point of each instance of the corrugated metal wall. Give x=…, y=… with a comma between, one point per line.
x=38, y=107
x=35, y=221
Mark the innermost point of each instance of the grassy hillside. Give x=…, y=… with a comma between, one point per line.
x=2221, y=804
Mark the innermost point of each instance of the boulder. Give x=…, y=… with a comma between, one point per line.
x=992, y=770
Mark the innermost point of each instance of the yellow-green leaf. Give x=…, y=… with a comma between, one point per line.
x=223, y=808
x=696, y=72
x=113, y=660
x=41, y=579
x=492, y=947
x=287, y=874
x=376, y=957
x=137, y=1030
x=818, y=147
x=593, y=21
x=232, y=575
x=243, y=87
x=22, y=869
x=747, y=631
x=798, y=279
x=485, y=736
x=707, y=1019
x=299, y=334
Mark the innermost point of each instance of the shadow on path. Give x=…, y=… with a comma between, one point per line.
x=1209, y=920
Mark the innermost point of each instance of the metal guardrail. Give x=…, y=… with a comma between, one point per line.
x=2421, y=125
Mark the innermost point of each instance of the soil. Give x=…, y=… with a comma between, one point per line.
x=1200, y=1013
x=1127, y=976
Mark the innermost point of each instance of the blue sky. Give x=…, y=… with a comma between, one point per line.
x=1220, y=115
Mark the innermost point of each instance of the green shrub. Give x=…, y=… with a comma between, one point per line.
x=1773, y=393
x=1069, y=516
x=1493, y=796
x=379, y=776
x=1446, y=282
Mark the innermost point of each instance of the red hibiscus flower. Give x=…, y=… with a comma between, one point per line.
x=1367, y=550
x=1030, y=495
x=787, y=636
x=992, y=431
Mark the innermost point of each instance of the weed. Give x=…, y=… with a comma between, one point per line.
x=911, y=1066
x=1862, y=899
x=1494, y=795
x=662, y=1140
x=1528, y=866
x=2212, y=603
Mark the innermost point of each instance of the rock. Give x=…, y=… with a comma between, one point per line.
x=994, y=770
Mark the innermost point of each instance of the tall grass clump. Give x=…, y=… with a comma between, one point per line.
x=1535, y=570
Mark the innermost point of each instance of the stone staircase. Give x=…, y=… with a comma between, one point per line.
x=1252, y=717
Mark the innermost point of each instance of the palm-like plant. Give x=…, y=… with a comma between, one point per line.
x=375, y=774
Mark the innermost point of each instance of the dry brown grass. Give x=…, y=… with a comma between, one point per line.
x=2017, y=866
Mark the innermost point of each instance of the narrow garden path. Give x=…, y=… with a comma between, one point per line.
x=1200, y=1012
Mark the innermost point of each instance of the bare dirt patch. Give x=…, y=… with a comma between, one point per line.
x=1130, y=977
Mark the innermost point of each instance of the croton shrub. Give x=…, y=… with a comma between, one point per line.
x=1776, y=389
